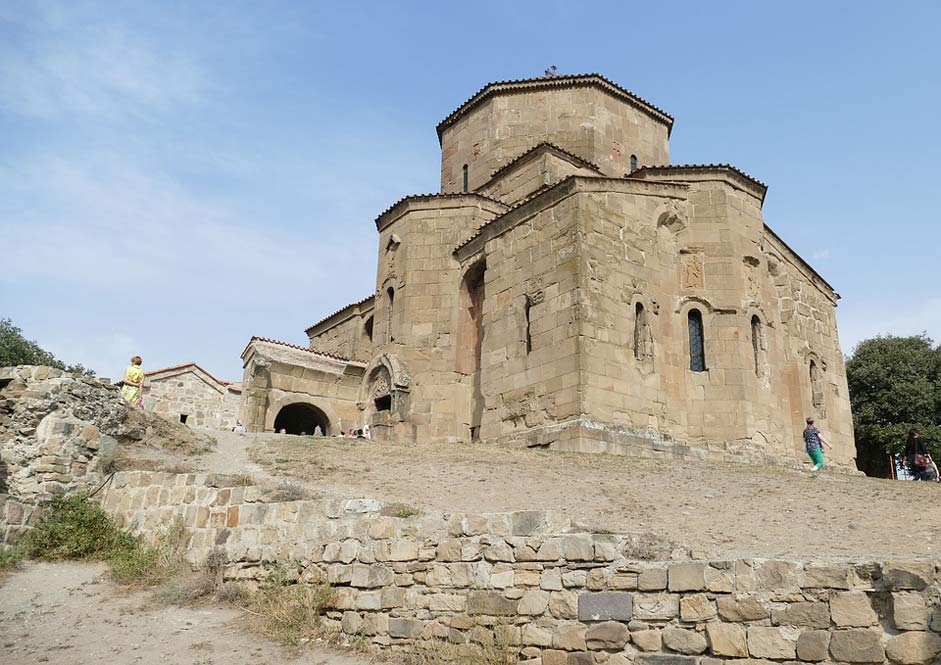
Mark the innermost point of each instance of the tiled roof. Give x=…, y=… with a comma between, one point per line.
x=352, y=304
x=184, y=366
x=298, y=347
x=451, y=195
x=516, y=205
x=666, y=168
x=552, y=146
x=541, y=83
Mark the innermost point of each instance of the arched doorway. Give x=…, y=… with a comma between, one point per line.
x=301, y=418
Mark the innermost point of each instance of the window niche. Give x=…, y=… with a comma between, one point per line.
x=465, y=172
x=390, y=307
x=633, y=163
x=697, y=349
x=816, y=388
x=759, y=347
x=643, y=339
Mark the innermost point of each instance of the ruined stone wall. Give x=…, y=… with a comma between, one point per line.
x=416, y=261
x=205, y=402
x=531, y=271
x=583, y=120
x=529, y=580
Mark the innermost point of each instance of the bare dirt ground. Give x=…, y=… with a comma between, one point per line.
x=71, y=614
x=714, y=510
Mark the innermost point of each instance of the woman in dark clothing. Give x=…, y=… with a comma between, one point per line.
x=919, y=461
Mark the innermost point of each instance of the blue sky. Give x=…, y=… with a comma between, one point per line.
x=176, y=177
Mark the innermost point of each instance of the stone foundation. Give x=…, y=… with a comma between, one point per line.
x=530, y=580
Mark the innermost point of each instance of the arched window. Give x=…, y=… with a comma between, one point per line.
x=466, y=183
x=697, y=351
x=390, y=302
x=633, y=163
x=643, y=344
x=816, y=390
x=367, y=328
x=757, y=345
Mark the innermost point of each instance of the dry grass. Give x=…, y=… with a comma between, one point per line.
x=242, y=480
x=439, y=652
x=287, y=611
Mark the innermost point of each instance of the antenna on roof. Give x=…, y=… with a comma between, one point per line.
x=551, y=72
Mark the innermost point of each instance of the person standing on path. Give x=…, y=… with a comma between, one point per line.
x=920, y=464
x=813, y=444
x=133, y=388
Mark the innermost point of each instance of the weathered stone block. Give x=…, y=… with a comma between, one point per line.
x=697, y=607
x=738, y=609
x=656, y=606
x=684, y=641
x=447, y=602
x=570, y=636
x=533, y=603
x=687, y=577
x=806, y=614
x=857, y=645
x=813, y=645
x=537, y=636
x=578, y=548
x=852, y=609
x=664, y=659
x=405, y=628
x=608, y=636
x=913, y=648
x=490, y=603
x=652, y=579
x=727, y=639
x=604, y=606
x=816, y=576
x=772, y=642
x=368, y=577
x=647, y=640
x=909, y=611
x=563, y=604
x=902, y=575
x=551, y=580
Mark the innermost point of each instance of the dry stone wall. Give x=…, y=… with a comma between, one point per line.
x=559, y=596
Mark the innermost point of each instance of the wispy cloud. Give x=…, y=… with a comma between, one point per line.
x=59, y=67
x=821, y=254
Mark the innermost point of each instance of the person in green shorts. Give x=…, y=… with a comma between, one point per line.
x=813, y=444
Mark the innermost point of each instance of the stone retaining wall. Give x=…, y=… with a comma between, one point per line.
x=530, y=580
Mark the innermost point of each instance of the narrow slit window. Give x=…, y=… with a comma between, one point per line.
x=527, y=309
x=640, y=326
x=390, y=294
x=697, y=351
x=633, y=163
x=756, y=343
x=183, y=417
x=466, y=181
x=816, y=390
x=367, y=328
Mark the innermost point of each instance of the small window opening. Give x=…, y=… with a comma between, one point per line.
x=527, y=307
x=756, y=343
x=183, y=417
x=640, y=331
x=367, y=328
x=383, y=403
x=466, y=183
x=633, y=163
x=697, y=351
x=390, y=294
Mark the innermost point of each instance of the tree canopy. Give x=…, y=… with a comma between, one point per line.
x=895, y=386
x=17, y=350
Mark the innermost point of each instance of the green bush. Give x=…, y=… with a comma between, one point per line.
x=70, y=527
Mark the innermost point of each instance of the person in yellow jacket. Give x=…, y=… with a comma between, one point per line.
x=133, y=388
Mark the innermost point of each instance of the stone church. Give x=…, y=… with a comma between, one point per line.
x=570, y=289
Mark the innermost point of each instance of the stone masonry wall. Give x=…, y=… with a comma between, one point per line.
x=528, y=579
x=205, y=404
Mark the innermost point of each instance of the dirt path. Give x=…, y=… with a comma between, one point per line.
x=70, y=614
x=717, y=510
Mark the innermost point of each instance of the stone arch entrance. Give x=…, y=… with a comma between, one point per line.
x=301, y=418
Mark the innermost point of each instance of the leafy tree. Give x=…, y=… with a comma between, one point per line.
x=895, y=385
x=17, y=350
